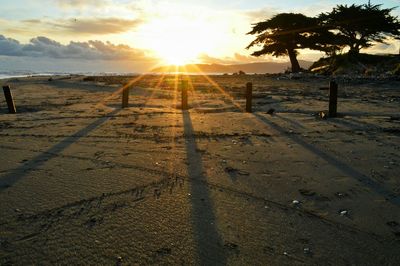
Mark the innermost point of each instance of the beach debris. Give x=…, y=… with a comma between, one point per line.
x=307, y=250
x=119, y=261
x=322, y=115
x=164, y=251
x=157, y=193
x=230, y=169
x=271, y=111
x=343, y=212
x=232, y=247
x=295, y=202
x=285, y=253
x=340, y=195
x=306, y=192
x=241, y=172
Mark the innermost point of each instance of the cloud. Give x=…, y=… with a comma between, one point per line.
x=91, y=50
x=261, y=14
x=98, y=26
x=81, y=3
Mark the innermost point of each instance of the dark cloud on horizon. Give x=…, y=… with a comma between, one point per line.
x=91, y=50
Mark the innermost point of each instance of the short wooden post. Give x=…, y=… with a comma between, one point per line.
x=9, y=99
x=184, y=95
x=249, y=96
x=333, y=93
x=125, y=97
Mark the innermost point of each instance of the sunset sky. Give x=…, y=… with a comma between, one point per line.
x=131, y=36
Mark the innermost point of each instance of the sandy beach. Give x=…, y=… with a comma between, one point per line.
x=84, y=182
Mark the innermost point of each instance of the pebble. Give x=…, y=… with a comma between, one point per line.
x=295, y=202
x=306, y=250
x=119, y=261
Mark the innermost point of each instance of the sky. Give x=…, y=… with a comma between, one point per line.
x=135, y=36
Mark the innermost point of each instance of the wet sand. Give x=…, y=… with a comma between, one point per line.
x=83, y=181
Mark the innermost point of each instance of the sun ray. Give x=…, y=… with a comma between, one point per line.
x=191, y=88
x=174, y=125
x=219, y=88
x=157, y=86
x=124, y=87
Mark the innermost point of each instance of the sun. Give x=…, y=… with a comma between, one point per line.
x=176, y=40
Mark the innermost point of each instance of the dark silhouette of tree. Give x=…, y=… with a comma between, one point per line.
x=286, y=33
x=359, y=26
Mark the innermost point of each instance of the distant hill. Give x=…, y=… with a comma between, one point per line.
x=259, y=68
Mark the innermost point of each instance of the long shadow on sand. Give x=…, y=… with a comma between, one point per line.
x=341, y=166
x=209, y=243
x=16, y=174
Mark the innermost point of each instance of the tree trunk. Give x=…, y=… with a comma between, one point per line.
x=354, y=49
x=293, y=60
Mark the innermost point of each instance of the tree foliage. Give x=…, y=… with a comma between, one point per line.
x=286, y=33
x=354, y=26
x=359, y=26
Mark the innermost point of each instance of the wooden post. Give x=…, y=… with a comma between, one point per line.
x=249, y=96
x=184, y=95
x=333, y=93
x=9, y=99
x=125, y=97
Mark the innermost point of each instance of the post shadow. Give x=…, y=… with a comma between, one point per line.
x=341, y=166
x=10, y=178
x=293, y=123
x=209, y=243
